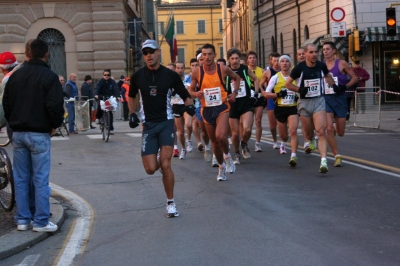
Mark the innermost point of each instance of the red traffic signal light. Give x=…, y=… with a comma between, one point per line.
x=391, y=29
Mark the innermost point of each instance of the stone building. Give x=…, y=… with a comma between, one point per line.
x=84, y=37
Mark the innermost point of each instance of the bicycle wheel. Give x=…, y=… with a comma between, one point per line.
x=4, y=136
x=7, y=196
x=103, y=124
x=107, y=129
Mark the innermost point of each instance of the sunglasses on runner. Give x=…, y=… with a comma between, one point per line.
x=149, y=51
x=106, y=75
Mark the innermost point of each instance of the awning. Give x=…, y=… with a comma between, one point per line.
x=378, y=34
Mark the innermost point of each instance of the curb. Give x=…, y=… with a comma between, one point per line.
x=16, y=241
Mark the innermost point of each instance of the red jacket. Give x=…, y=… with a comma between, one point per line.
x=362, y=75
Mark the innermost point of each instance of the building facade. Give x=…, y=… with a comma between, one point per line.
x=196, y=23
x=85, y=37
x=283, y=26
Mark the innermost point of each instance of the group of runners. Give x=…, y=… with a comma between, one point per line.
x=228, y=99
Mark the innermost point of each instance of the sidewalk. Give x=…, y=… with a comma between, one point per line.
x=13, y=241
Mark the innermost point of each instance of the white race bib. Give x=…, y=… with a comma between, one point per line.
x=242, y=89
x=329, y=88
x=314, y=87
x=212, y=96
x=289, y=98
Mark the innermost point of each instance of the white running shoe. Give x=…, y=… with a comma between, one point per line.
x=50, y=227
x=189, y=146
x=230, y=167
x=257, y=147
x=207, y=156
x=275, y=146
x=283, y=149
x=214, y=162
x=245, y=151
x=183, y=154
x=221, y=174
x=171, y=210
x=236, y=158
x=323, y=168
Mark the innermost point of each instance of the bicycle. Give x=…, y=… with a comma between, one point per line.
x=105, y=120
x=7, y=192
x=5, y=136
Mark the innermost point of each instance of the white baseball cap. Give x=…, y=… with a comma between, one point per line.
x=150, y=44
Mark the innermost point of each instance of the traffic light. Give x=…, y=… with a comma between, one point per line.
x=391, y=21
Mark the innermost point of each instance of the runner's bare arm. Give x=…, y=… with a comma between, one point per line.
x=131, y=105
x=329, y=79
x=193, y=84
x=346, y=68
x=290, y=86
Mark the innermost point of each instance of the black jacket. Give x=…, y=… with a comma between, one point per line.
x=86, y=90
x=106, y=88
x=33, y=98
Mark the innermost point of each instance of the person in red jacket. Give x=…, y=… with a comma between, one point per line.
x=124, y=99
x=363, y=76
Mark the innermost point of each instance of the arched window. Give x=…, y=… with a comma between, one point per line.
x=273, y=48
x=281, y=43
x=306, y=33
x=295, y=46
x=56, y=42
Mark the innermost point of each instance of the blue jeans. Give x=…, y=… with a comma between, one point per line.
x=71, y=116
x=31, y=165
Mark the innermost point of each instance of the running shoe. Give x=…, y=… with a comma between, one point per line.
x=176, y=153
x=221, y=174
x=236, y=158
x=183, y=154
x=307, y=148
x=257, y=147
x=230, y=167
x=214, y=162
x=171, y=210
x=293, y=161
x=313, y=144
x=282, y=149
x=207, y=156
x=275, y=146
x=189, y=147
x=323, y=167
x=200, y=146
x=245, y=150
x=338, y=161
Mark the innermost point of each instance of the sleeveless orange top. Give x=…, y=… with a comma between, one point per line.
x=214, y=92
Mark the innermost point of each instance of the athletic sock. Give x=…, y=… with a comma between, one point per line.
x=175, y=146
x=337, y=155
x=293, y=154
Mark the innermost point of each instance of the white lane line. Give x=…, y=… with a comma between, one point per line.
x=97, y=136
x=347, y=162
x=29, y=260
x=59, y=138
x=135, y=135
x=80, y=234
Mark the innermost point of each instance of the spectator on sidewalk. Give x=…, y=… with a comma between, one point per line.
x=33, y=106
x=86, y=90
x=363, y=76
x=125, y=95
x=72, y=91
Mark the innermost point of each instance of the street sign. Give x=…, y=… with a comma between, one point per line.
x=337, y=14
x=338, y=29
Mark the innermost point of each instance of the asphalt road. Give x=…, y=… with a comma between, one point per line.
x=264, y=214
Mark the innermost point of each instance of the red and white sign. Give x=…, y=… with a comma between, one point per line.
x=337, y=14
x=338, y=29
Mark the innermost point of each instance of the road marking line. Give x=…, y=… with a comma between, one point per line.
x=365, y=164
x=97, y=136
x=29, y=260
x=136, y=135
x=59, y=138
x=76, y=241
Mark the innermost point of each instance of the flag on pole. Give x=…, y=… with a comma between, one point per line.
x=170, y=37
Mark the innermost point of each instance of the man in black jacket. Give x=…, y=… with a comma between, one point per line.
x=86, y=90
x=105, y=88
x=33, y=106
